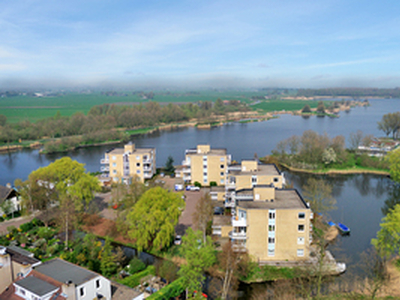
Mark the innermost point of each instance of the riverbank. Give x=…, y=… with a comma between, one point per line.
x=354, y=170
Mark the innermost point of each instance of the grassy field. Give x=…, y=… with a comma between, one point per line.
x=33, y=109
x=278, y=105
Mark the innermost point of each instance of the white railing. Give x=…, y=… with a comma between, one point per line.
x=244, y=197
x=186, y=170
x=147, y=175
x=229, y=203
x=187, y=178
x=185, y=163
x=147, y=160
x=147, y=169
x=105, y=169
x=237, y=235
x=239, y=222
x=104, y=161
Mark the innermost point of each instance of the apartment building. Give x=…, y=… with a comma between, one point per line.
x=271, y=224
x=124, y=164
x=205, y=165
x=245, y=175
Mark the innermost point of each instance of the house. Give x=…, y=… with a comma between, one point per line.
x=125, y=164
x=56, y=280
x=15, y=262
x=9, y=198
x=271, y=224
x=204, y=165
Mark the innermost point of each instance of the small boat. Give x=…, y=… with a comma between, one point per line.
x=330, y=223
x=343, y=228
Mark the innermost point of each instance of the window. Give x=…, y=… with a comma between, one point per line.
x=302, y=215
x=82, y=291
x=222, y=166
x=272, y=215
x=114, y=171
x=205, y=174
x=22, y=292
x=254, y=179
x=271, y=228
x=204, y=166
x=137, y=164
x=221, y=181
x=301, y=227
x=271, y=240
x=222, y=159
x=97, y=283
x=114, y=164
x=276, y=179
x=114, y=157
x=222, y=173
x=204, y=158
x=137, y=157
x=205, y=180
x=300, y=252
x=300, y=241
x=138, y=172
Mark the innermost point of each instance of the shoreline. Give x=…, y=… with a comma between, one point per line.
x=240, y=117
x=336, y=171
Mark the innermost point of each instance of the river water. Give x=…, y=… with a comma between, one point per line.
x=360, y=198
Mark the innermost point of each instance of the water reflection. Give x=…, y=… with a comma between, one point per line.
x=392, y=199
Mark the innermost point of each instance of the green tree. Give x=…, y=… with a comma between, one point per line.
x=329, y=156
x=393, y=158
x=108, y=260
x=321, y=107
x=306, y=109
x=199, y=257
x=169, y=165
x=387, y=241
x=319, y=194
x=153, y=218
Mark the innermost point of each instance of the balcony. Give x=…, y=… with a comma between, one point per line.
x=147, y=160
x=239, y=247
x=147, y=175
x=191, y=151
x=185, y=163
x=147, y=168
x=105, y=169
x=230, y=185
x=240, y=222
x=244, y=197
x=229, y=203
x=241, y=235
x=104, y=161
x=187, y=170
x=234, y=168
x=187, y=178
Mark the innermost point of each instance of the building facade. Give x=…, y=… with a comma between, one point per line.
x=205, y=165
x=126, y=164
x=272, y=224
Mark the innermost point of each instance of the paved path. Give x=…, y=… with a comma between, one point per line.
x=16, y=222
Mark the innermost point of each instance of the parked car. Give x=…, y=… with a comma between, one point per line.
x=218, y=210
x=178, y=240
x=178, y=187
x=192, y=188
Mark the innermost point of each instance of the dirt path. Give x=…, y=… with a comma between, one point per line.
x=15, y=222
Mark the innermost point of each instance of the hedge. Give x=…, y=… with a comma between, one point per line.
x=171, y=290
x=134, y=280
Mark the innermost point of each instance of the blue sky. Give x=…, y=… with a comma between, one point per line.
x=283, y=43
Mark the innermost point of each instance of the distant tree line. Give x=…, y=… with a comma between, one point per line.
x=352, y=92
x=102, y=120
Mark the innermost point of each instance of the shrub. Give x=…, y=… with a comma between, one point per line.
x=213, y=183
x=45, y=233
x=134, y=280
x=136, y=265
x=196, y=183
x=172, y=290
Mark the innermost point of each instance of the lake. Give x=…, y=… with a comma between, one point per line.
x=360, y=198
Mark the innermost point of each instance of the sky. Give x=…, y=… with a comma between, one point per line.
x=227, y=43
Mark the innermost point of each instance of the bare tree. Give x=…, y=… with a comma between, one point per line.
x=203, y=214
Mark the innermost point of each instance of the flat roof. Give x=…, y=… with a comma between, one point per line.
x=37, y=286
x=284, y=199
x=63, y=271
x=137, y=150
x=262, y=169
x=213, y=151
x=219, y=220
